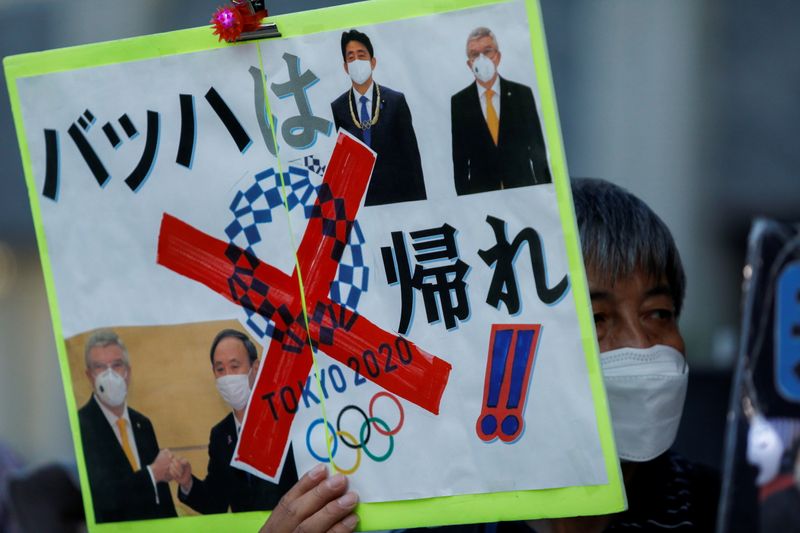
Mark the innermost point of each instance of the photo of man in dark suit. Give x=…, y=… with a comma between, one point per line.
x=380, y=117
x=128, y=474
x=234, y=361
x=497, y=137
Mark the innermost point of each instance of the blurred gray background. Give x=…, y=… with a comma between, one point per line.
x=691, y=105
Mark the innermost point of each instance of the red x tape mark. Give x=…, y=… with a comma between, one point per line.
x=412, y=374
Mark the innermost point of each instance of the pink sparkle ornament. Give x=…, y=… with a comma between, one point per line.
x=227, y=23
x=230, y=21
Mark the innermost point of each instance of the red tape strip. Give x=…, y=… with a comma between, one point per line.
x=402, y=368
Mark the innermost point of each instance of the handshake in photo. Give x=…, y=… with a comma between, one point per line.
x=170, y=467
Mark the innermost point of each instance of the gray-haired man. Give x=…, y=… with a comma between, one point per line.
x=497, y=138
x=128, y=474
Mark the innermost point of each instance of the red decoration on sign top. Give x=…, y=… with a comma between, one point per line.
x=230, y=21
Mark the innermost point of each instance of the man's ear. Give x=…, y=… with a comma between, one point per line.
x=89, y=377
x=373, y=62
x=344, y=66
x=254, y=372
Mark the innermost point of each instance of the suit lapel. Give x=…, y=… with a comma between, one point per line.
x=352, y=96
x=505, y=110
x=378, y=129
x=231, y=438
x=136, y=427
x=356, y=130
x=143, y=444
x=107, y=434
x=477, y=111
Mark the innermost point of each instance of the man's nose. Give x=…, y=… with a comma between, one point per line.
x=632, y=334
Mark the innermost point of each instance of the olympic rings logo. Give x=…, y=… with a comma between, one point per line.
x=365, y=433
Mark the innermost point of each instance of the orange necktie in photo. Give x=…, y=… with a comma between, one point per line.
x=126, y=445
x=491, y=116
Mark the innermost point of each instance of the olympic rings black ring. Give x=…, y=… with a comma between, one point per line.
x=365, y=433
x=339, y=427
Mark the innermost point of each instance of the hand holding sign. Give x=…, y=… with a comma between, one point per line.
x=315, y=503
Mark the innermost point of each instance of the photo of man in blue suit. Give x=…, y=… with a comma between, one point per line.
x=380, y=117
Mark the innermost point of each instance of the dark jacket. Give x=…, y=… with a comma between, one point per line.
x=518, y=159
x=228, y=487
x=397, y=176
x=119, y=493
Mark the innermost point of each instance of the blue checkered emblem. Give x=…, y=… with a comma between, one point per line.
x=253, y=207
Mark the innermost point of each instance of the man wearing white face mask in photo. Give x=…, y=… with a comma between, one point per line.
x=234, y=362
x=128, y=474
x=497, y=137
x=637, y=284
x=380, y=117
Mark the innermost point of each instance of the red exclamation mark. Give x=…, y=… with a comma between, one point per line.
x=512, y=348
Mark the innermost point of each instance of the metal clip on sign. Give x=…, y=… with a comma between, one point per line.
x=266, y=31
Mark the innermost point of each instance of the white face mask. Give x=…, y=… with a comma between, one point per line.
x=646, y=389
x=360, y=70
x=764, y=449
x=483, y=68
x=235, y=389
x=111, y=388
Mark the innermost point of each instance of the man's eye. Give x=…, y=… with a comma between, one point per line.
x=599, y=318
x=663, y=314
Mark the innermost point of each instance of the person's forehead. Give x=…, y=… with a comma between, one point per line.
x=637, y=284
x=229, y=349
x=480, y=43
x=355, y=46
x=106, y=354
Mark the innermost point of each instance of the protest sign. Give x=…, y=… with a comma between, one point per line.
x=408, y=264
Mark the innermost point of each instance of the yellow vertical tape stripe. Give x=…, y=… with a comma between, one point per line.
x=268, y=110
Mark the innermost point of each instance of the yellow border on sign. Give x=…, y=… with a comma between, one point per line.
x=569, y=501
